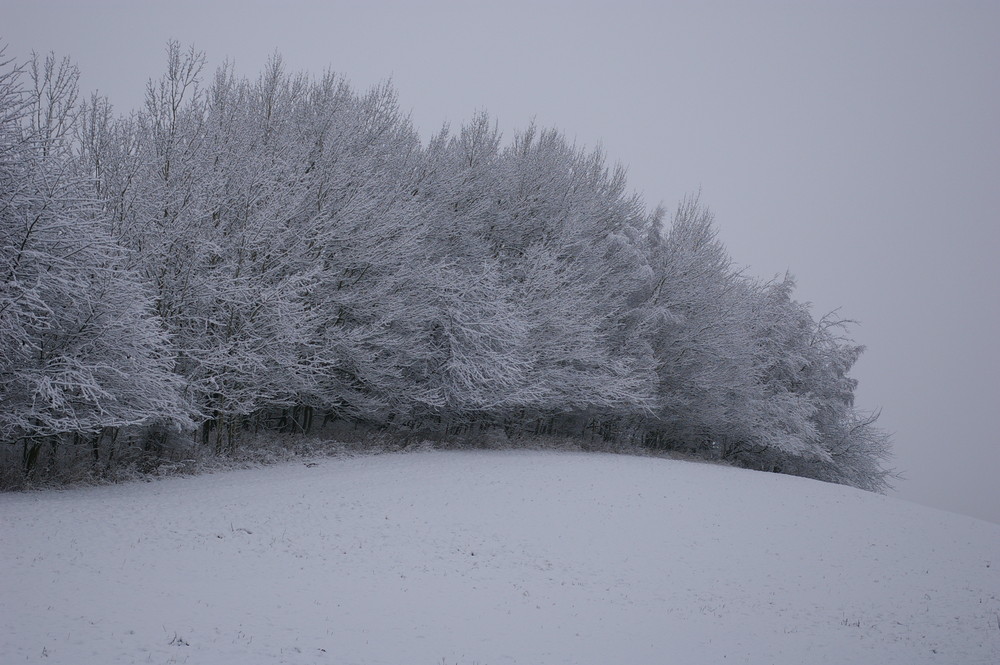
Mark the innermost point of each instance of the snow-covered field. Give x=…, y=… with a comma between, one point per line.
x=491, y=558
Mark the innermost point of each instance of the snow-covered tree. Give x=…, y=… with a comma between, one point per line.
x=81, y=348
x=807, y=363
x=252, y=252
x=570, y=235
x=696, y=319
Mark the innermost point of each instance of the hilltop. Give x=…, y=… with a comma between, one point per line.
x=493, y=557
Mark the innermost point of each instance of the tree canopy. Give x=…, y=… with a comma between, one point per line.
x=247, y=254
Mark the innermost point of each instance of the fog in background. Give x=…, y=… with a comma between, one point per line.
x=854, y=144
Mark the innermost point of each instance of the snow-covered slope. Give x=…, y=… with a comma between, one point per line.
x=491, y=558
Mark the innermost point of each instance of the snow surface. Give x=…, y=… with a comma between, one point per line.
x=493, y=557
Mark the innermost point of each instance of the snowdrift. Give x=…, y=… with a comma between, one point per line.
x=492, y=558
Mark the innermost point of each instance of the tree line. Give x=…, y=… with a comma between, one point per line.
x=279, y=253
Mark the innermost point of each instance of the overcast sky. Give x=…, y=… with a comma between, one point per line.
x=855, y=144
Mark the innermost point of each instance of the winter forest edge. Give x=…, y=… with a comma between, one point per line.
x=283, y=254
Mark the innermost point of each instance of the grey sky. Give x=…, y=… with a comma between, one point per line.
x=855, y=144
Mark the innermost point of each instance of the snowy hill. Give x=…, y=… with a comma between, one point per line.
x=493, y=558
